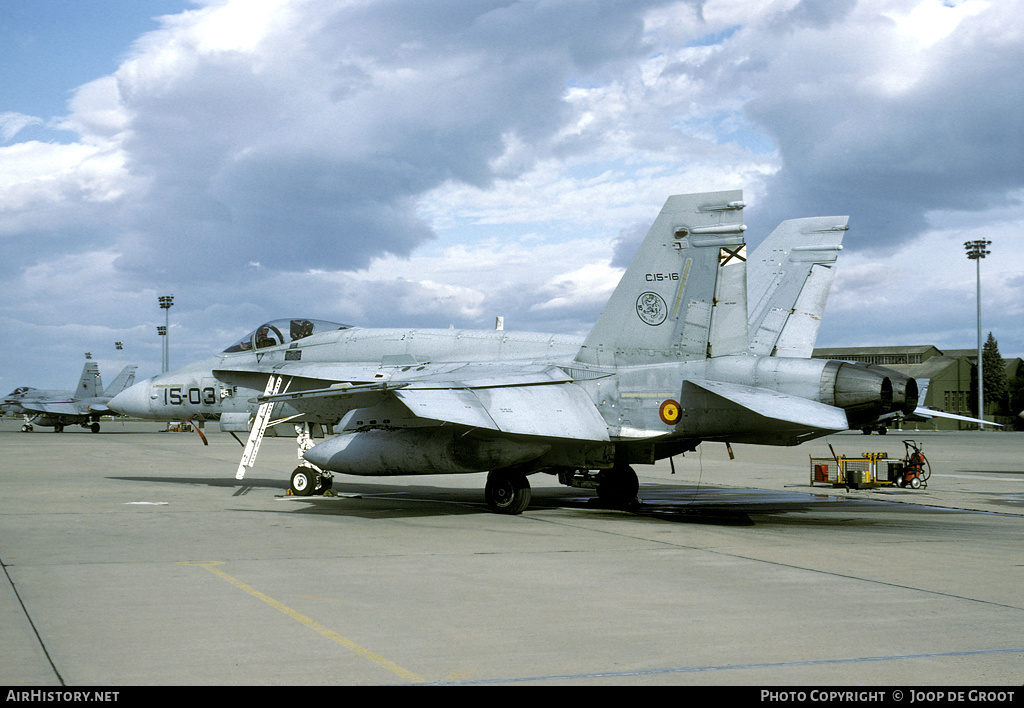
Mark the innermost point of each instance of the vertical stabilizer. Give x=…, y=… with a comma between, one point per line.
x=789, y=278
x=125, y=379
x=684, y=294
x=89, y=385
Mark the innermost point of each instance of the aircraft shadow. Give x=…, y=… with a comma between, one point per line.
x=254, y=482
x=706, y=505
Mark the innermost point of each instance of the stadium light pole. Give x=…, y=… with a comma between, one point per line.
x=162, y=332
x=165, y=303
x=976, y=250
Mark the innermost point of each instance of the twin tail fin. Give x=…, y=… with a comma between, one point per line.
x=684, y=295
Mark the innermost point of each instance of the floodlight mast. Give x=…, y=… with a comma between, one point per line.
x=976, y=250
x=162, y=332
x=165, y=303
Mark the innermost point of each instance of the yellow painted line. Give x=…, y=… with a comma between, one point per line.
x=312, y=624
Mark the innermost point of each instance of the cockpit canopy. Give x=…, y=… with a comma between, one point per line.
x=272, y=334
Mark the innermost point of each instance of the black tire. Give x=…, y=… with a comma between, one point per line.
x=507, y=493
x=304, y=482
x=618, y=487
x=95, y=427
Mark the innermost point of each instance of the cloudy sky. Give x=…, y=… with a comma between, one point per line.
x=441, y=162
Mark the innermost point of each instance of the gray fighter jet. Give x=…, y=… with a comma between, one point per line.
x=668, y=364
x=85, y=405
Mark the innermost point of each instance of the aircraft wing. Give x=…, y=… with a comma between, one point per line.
x=64, y=408
x=553, y=411
x=536, y=402
x=326, y=404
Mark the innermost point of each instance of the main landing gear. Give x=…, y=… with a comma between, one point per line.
x=617, y=487
x=508, y=491
x=58, y=427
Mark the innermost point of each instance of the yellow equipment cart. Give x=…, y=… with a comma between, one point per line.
x=872, y=469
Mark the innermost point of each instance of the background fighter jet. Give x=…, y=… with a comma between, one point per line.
x=89, y=384
x=84, y=405
x=667, y=365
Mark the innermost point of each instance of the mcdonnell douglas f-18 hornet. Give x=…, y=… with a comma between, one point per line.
x=672, y=361
x=85, y=405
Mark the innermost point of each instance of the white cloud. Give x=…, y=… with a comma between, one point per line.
x=404, y=163
x=592, y=284
x=932, y=20
x=924, y=291
x=12, y=123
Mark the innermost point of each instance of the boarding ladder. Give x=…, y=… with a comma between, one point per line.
x=260, y=423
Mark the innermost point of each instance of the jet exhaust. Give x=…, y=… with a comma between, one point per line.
x=866, y=391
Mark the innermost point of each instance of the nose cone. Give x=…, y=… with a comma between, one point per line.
x=133, y=401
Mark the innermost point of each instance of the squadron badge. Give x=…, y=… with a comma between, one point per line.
x=651, y=308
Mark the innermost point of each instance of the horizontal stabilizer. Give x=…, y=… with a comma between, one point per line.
x=927, y=413
x=922, y=413
x=738, y=413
